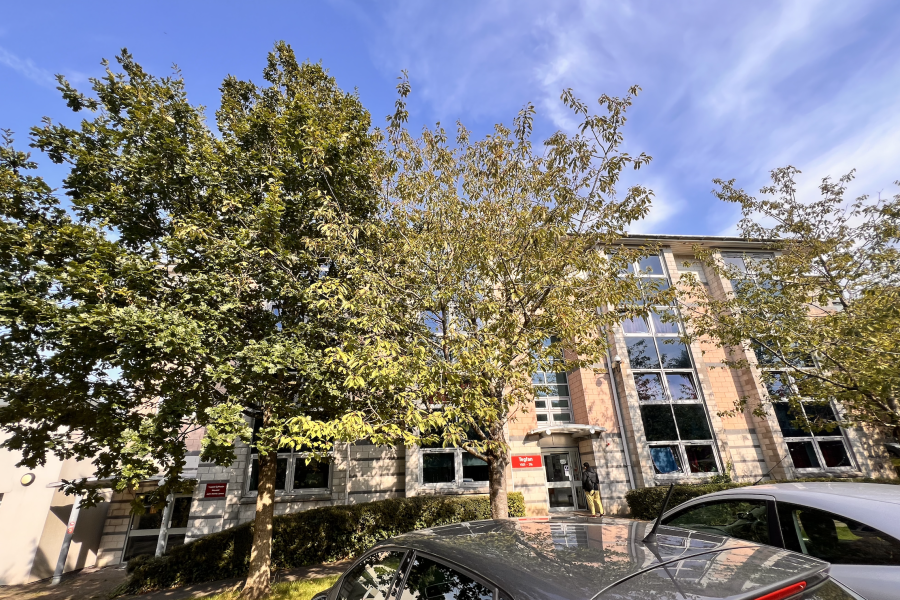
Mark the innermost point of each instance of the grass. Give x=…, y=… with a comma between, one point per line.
x=288, y=590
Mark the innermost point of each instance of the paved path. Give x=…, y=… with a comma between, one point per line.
x=90, y=583
x=98, y=584
x=201, y=590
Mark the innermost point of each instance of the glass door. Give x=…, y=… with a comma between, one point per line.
x=143, y=533
x=563, y=479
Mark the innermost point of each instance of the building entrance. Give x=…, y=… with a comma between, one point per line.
x=563, y=479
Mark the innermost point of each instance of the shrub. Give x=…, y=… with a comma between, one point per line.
x=137, y=561
x=314, y=536
x=645, y=502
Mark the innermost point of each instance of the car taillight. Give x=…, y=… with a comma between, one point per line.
x=786, y=592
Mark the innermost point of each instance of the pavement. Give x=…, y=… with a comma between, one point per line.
x=99, y=584
x=90, y=583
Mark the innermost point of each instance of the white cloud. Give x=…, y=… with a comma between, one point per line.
x=27, y=68
x=730, y=90
x=666, y=203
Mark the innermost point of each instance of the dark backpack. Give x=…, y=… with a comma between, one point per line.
x=593, y=480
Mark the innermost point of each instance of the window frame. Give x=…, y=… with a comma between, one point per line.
x=291, y=457
x=813, y=438
x=548, y=409
x=458, y=482
x=784, y=371
x=748, y=276
x=132, y=533
x=684, y=469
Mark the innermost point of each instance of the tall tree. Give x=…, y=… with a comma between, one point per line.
x=193, y=281
x=822, y=306
x=496, y=248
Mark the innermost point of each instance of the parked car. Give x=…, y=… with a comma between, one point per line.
x=576, y=558
x=854, y=526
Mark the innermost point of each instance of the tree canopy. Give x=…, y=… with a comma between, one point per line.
x=495, y=249
x=191, y=280
x=820, y=307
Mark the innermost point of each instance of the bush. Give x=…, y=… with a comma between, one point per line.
x=646, y=502
x=137, y=561
x=307, y=538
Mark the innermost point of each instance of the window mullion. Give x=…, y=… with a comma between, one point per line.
x=819, y=456
x=289, y=474
x=675, y=421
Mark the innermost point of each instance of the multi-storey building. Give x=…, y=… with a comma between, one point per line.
x=652, y=416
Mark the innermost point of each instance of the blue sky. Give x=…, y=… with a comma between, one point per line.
x=730, y=89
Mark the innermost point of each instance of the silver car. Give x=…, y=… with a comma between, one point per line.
x=854, y=526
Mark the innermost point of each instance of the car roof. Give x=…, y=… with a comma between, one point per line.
x=580, y=558
x=874, y=504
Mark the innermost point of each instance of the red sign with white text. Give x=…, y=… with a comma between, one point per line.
x=215, y=490
x=527, y=462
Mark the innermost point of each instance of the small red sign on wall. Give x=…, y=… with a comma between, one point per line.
x=527, y=462
x=215, y=490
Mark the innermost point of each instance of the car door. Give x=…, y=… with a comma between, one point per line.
x=750, y=518
x=862, y=557
x=429, y=578
x=373, y=577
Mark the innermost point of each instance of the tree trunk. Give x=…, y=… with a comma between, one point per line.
x=499, y=502
x=259, y=577
x=498, y=460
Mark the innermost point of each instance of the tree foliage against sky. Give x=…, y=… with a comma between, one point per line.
x=824, y=308
x=191, y=281
x=494, y=247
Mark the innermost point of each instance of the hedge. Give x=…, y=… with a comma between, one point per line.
x=307, y=538
x=645, y=502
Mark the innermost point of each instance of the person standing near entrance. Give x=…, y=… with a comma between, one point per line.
x=590, y=482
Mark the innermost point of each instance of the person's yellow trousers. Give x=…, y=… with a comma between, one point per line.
x=593, y=501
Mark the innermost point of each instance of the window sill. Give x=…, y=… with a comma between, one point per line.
x=830, y=471
x=454, y=490
x=672, y=477
x=317, y=495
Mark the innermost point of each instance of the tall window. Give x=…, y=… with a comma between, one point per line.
x=295, y=473
x=825, y=448
x=810, y=430
x=552, y=403
x=675, y=420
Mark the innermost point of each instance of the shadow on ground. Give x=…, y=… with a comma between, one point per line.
x=88, y=584
x=98, y=584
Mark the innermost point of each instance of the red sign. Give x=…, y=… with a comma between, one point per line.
x=526, y=462
x=215, y=490
x=71, y=527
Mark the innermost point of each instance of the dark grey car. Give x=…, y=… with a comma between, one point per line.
x=575, y=558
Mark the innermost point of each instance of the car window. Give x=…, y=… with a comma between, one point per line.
x=834, y=538
x=745, y=519
x=372, y=578
x=430, y=580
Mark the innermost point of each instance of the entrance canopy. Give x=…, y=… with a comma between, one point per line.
x=576, y=430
